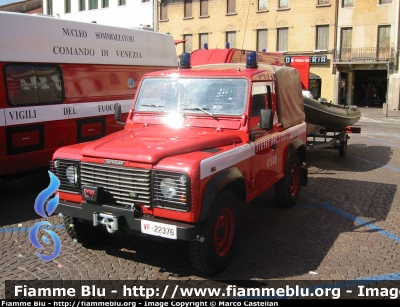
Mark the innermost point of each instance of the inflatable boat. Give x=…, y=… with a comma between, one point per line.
x=322, y=114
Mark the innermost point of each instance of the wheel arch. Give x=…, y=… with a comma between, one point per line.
x=298, y=146
x=231, y=179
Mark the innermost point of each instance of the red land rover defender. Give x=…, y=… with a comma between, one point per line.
x=198, y=142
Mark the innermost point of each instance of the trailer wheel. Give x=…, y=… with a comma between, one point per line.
x=343, y=148
x=82, y=232
x=288, y=188
x=213, y=249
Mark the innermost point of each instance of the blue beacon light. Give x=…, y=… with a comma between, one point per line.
x=185, y=60
x=251, y=60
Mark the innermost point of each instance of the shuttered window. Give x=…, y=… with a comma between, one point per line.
x=320, y=2
x=203, y=7
x=385, y=1
x=82, y=6
x=67, y=6
x=203, y=39
x=347, y=3
x=231, y=6
x=104, y=3
x=383, y=43
x=346, y=37
x=49, y=7
x=121, y=2
x=283, y=39
x=188, y=44
x=322, y=38
x=262, y=40
x=93, y=4
x=231, y=38
x=187, y=8
x=283, y=4
x=262, y=5
x=345, y=43
x=163, y=10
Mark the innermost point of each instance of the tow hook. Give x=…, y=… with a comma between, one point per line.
x=108, y=220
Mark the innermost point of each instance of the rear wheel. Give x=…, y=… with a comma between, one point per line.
x=288, y=188
x=82, y=232
x=212, y=251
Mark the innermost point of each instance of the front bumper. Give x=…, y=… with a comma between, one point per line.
x=126, y=217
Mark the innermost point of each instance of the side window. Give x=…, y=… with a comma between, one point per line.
x=258, y=104
x=262, y=98
x=33, y=84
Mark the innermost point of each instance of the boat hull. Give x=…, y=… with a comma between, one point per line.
x=327, y=115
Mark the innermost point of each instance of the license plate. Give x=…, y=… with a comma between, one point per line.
x=158, y=229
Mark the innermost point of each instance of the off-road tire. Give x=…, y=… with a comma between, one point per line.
x=82, y=232
x=287, y=189
x=213, y=249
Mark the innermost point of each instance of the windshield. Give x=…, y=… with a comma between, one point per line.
x=200, y=96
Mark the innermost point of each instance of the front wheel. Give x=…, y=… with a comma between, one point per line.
x=288, y=188
x=212, y=251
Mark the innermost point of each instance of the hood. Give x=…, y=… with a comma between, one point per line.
x=150, y=144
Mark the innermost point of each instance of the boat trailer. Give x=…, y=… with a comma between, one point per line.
x=331, y=138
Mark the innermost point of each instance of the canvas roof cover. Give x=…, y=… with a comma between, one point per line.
x=289, y=96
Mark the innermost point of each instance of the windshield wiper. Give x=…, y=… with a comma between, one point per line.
x=203, y=110
x=153, y=106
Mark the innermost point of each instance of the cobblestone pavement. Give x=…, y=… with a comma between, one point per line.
x=345, y=226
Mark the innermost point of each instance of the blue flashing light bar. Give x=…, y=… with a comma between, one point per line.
x=251, y=61
x=185, y=60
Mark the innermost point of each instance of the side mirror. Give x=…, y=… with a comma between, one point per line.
x=266, y=119
x=117, y=114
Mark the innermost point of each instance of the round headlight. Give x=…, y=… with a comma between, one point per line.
x=56, y=163
x=168, y=187
x=72, y=174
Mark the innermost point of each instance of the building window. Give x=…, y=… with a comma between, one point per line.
x=188, y=47
x=104, y=3
x=262, y=5
x=282, y=39
x=49, y=7
x=321, y=2
x=187, y=8
x=231, y=6
x=121, y=2
x=145, y=1
x=93, y=4
x=345, y=43
x=322, y=42
x=203, y=40
x=385, y=1
x=67, y=6
x=82, y=5
x=163, y=10
x=383, y=43
x=283, y=4
x=347, y=3
x=203, y=7
x=262, y=40
x=231, y=39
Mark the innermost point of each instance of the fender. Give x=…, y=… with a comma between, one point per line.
x=216, y=184
x=297, y=146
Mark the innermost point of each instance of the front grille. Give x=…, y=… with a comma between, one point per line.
x=124, y=185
